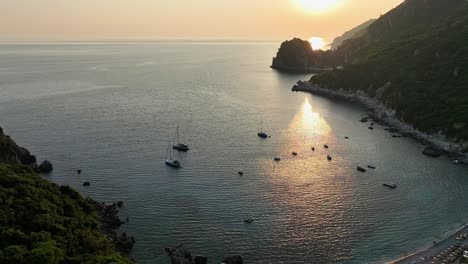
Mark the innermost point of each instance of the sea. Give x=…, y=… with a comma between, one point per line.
x=111, y=109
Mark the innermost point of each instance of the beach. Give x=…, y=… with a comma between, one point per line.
x=427, y=255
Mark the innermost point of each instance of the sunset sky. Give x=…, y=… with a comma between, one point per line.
x=69, y=20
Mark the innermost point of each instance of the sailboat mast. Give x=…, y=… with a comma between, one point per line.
x=170, y=151
x=177, y=135
x=167, y=149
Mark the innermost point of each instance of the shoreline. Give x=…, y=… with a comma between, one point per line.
x=385, y=116
x=424, y=256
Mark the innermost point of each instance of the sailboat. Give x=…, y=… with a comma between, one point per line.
x=261, y=133
x=180, y=146
x=169, y=161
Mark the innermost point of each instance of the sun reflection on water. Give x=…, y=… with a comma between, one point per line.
x=310, y=123
x=309, y=191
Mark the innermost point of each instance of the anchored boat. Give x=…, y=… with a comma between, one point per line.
x=169, y=161
x=180, y=146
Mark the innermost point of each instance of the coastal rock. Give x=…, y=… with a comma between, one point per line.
x=125, y=243
x=432, y=152
x=45, y=167
x=86, y=183
x=237, y=259
x=120, y=204
x=180, y=255
x=200, y=260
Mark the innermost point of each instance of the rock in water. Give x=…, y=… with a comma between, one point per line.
x=180, y=255
x=200, y=260
x=86, y=183
x=233, y=260
x=45, y=167
x=432, y=152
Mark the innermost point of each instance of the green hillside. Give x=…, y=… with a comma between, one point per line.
x=421, y=48
x=42, y=223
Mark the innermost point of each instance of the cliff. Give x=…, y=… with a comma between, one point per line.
x=414, y=60
x=11, y=153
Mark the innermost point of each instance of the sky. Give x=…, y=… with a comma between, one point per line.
x=242, y=20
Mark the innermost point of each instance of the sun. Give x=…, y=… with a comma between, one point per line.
x=317, y=43
x=316, y=6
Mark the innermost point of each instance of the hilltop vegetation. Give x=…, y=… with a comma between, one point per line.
x=415, y=60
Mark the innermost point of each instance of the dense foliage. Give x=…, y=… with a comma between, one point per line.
x=297, y=55
x=43, y=223
x=353, y=33
x=421, y=48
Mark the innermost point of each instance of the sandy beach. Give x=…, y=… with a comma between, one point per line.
x=449, y=245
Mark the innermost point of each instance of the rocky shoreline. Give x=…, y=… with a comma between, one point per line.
x=110, y=226
x=181, y=255
x=385, y=116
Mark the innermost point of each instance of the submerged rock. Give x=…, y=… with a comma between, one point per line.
x=45, y=167
x=200, y=260
x=237, y=259
x=432, y=152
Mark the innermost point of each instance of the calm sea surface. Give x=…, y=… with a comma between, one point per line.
x=110, y=109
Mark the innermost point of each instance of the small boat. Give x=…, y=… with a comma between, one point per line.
x=248, y=221
x=346, y=137
x=179, y=146
x=241, y=173
x=371, y=128
x=329, y=158
x=277, y=159
x=313, y=148
x=325, y=146
x=364, y=119
x=169, y=161
x=262, y=134
x=294, y=153
x=372, y=124
x=371, y=167
x=361, y=169
x=390, y=185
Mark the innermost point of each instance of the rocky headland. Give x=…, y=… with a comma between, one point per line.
x=54, y=220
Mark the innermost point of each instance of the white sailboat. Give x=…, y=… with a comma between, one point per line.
x=169, y=161
x=179, y=146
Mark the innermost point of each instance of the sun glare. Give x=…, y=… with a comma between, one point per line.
x=316, y=6
x=317, y=43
